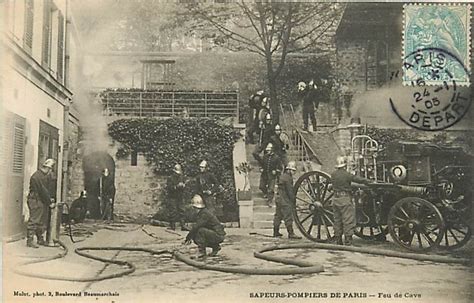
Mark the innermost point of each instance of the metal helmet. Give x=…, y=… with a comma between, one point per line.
x=268, y=117
x=259, y=92
x=178, y=169
x=49, y=163
x=341, y=161
x=105, y=172
x=269, y=147
x=291, y=165
x=84, y=194
x=203, y=164
x=301, y=86
x=197, y=202
x=277, y=128
x=264, y=102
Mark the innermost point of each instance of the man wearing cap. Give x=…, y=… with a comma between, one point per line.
x=39, y=202
x=106, y=195
x=207, y=186
x=175, y=188
x=285, y=201
x=271, y=166
x=344, y=207
x=207, y=231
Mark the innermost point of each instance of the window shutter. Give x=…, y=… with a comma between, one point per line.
x=60, y=46
x=28, y=37
x=18, y=148
x=46, y=34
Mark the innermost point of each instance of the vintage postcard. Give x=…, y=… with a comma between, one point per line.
x=236, y=151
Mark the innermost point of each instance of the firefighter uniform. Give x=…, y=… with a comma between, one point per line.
x=344, y=207
x=106, y=196
x=271, y=167
x=78, y=209
x=310, y=102
x=207, y=184
x=255, y=105
x=206, y=232
x=39, y=199
x=175, y=189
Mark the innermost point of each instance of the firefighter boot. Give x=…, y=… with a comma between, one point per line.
x=276, y=232
x=291, y=233
x=215, y=250
x=201, y=253
x=29, y=239
x=348, y=240
x=336, y=240
x=39, y=236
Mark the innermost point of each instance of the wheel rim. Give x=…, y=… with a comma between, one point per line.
x=416, y=224
x=313, y=212
x=458, y=230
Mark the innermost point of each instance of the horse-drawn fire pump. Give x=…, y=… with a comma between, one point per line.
x=421, y=195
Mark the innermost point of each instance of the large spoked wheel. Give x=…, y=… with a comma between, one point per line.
x=313, y=211
x=458, y=230
x=416, y=224
x=368, y=214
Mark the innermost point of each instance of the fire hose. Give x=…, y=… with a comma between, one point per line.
x=302, y=266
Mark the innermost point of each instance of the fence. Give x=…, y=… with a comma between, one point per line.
x=164, y=104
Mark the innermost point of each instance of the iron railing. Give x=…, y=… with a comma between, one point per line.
x=164, y=104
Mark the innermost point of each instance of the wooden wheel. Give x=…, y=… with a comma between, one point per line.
x=458, y=230
x=416, y=224
x=313, y=212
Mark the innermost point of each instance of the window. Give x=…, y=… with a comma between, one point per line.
x=60, y=65
x=28, y=35
x=46, y=53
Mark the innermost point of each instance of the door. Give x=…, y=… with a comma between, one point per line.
x=14, y=148
x=48, y=147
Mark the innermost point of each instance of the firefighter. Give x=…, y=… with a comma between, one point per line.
x=284, y=200
x=308, y=94
x=207, y=186
x=78, y=209
x=106, y=195
x=270, y=167
x=207, y=231
x=255, y=104
x=279, y=146
x=344, y=207
x=175, y=187
x=39, y=202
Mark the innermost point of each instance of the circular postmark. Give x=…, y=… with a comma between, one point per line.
x=433, y=99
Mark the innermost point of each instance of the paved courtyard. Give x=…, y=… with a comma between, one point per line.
x=348, y=277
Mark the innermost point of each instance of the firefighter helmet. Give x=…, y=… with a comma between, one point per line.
x=291, y=165
x=301, y=86
x=265, y=101
x=269, y=147
x=277, y=128
x=341, y=161
x=268, y=117
x=203, y=164
x=49, y=163
x=178, y=169
x=197, y=202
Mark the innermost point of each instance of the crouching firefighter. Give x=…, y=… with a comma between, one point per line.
x=285, y=201
x=344, y=207
x=39, y=202
x=207, y=231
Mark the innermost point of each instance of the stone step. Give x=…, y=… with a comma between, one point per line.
x=263, y=224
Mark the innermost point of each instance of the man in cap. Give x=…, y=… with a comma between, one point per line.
x=308, y=94
x=285, y=201
x=106, y=194
x=344, y=207
x=270, y=167
x=207, y=231
x=175, y=188
x=207, y=186
x=39, y=202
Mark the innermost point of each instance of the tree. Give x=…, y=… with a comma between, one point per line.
x=269, y=29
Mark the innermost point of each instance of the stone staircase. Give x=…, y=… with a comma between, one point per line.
x=262, y=214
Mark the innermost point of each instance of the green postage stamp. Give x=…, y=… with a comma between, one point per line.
x=436, y=44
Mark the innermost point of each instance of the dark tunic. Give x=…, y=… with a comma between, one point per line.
x=207, y=231
x=38, y=201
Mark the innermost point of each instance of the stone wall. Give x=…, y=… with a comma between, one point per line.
x=138, y=189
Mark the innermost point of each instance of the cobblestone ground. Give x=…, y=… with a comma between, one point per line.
x=162, y=279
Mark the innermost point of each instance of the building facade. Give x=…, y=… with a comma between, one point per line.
x=37, y=116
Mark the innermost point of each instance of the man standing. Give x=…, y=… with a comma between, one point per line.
x=344, y=207
x=309, y=96
x=255, y=105
x=175, y=187
x=285, y=201
x=207, y=231
x=39, y=202
x=207, y=186
x=271, y=167
x=106, y=195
